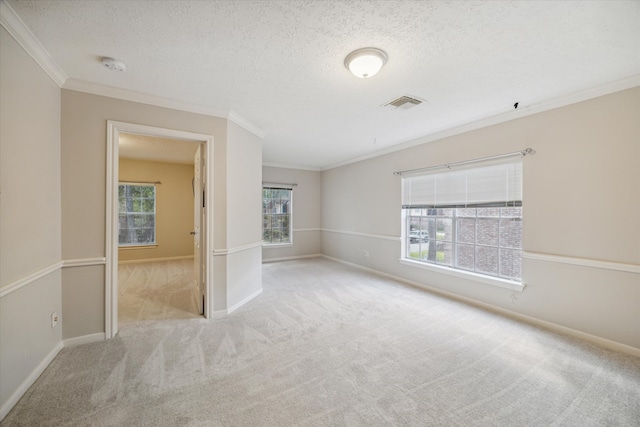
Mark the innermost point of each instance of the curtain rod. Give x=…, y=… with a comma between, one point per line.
x=279, y=183
x=141, y=182
x=521, y=153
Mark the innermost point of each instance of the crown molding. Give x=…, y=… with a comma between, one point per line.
x=494, y=119
x=296, y=167
x=246, y=124
x=158, y=101
x=139, y=97
x=10, y=20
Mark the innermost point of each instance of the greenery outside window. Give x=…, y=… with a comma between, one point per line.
x=137, y=215
x=276, y=215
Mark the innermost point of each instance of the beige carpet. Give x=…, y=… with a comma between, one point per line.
x=328, y=345
x=156, y=291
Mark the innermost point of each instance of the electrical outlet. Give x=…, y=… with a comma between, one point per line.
x=54, y=319
x=366, y=253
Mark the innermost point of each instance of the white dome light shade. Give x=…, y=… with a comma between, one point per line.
x=365, y=62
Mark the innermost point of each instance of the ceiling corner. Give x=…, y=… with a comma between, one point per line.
x=25, y=38
x=246, y=124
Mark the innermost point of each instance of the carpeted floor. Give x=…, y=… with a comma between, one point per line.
x=329, y=345
x=156, y=291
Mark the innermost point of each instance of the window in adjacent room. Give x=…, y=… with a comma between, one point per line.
x=137, y=215
x=276, y=215
x=469, y=219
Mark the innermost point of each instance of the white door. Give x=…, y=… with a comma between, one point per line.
x=199, y=203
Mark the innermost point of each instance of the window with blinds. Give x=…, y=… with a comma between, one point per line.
x=468, y=219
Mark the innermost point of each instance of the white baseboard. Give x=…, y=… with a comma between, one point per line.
x=28, y=382
x=244, y=301
x=289, y=258
x=170, y=258
x=594, y=339
x=84, y=339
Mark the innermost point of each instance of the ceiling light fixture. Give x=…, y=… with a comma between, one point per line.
x=365, y=62
x=113, y=65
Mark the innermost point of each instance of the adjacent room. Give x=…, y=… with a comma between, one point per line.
x=270, y=212
x=157, y=229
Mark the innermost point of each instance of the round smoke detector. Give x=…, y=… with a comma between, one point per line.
x=114, y=65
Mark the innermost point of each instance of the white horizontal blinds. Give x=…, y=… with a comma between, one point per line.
x=492, y=184
x=495, y=184
x=419, y=190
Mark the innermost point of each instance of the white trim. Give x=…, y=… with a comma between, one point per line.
x=306, y=229
x=15, y=26
x=111, y=247
x=246, y=124
x=372, y=236
x=276, y=245
x=24, y=281
x=584, y=262
x=142, y=98
x=295, y=167
x=602, y=342
x=136, y=247
x=469, y=275
x=501, y=117
x=289, y=258
x=28, y=382
x=243, y=302
x=140, y=261
x=159, y=101
x=84, y=339
x=83, y=262
x=229, y=251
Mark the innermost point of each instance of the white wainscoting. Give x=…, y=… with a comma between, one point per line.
x=583, y=262
x=228, y=251
x=24, y=281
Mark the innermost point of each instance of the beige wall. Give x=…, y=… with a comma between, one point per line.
x=306, y=212
x=84, y=136
x=174, y=207
x=581, y=200
x=244, y=216
x=236, y=205
x=29, y=217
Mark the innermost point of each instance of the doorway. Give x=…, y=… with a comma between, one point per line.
x=200, y=233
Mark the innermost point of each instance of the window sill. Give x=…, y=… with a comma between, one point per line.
x=137, y=247
x=495, y=281
x=276, y=245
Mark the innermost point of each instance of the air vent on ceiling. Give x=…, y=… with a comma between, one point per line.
x=404, y=102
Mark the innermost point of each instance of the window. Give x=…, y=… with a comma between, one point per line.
x=276, y=215
x=468, y=219
x=137, y=215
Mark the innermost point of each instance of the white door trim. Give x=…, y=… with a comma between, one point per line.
x=111, y=246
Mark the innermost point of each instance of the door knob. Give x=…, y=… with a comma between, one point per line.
x=193, y=233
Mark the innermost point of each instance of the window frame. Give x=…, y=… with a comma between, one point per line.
x=289, y=214
x=154, y=243
x=451, y=267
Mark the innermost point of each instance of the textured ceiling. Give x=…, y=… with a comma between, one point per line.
x=279, y=64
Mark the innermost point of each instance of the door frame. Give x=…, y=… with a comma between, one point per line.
x=114, y=128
